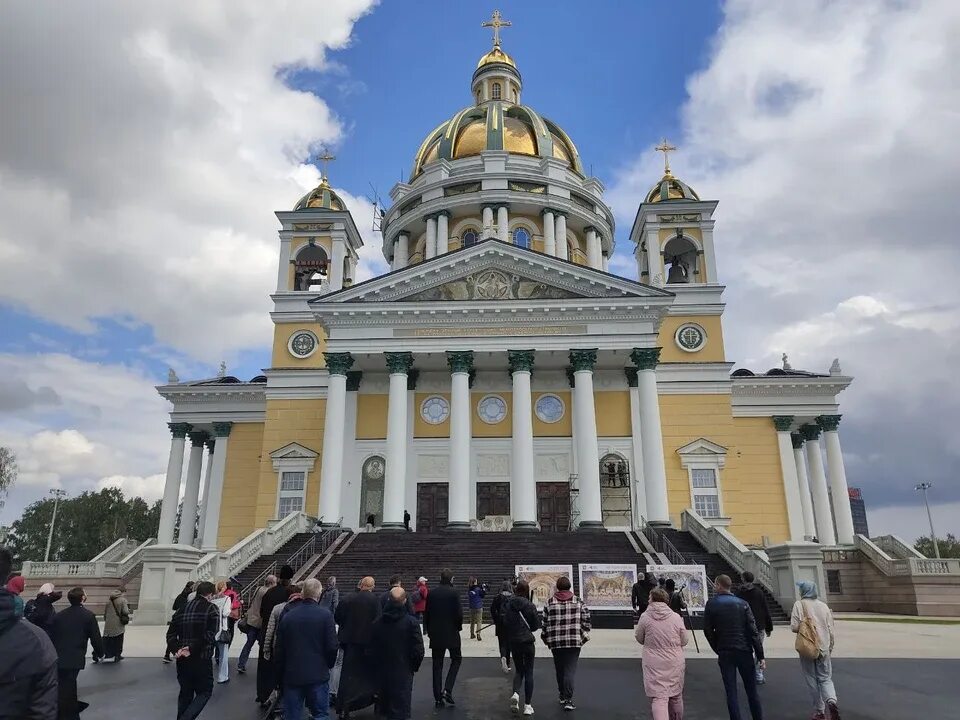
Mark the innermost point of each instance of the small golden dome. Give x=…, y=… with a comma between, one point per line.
x=496, y=56
x=670, y=188
x=322, y=197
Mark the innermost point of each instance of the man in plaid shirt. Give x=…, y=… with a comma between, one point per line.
x=566, y=627
x=192, y=636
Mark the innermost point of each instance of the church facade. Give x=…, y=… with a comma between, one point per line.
x=499, y=376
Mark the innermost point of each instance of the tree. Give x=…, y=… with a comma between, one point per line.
x=86, y=524
x=949, y=546
x=8, y=472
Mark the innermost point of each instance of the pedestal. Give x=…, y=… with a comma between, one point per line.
x=791, y=563
x=166, y=569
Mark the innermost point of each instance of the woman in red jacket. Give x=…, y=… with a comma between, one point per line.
x=419, y=598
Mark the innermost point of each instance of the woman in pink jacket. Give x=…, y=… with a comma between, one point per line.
x=663, y=637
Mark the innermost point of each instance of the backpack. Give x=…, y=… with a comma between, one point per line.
x=29, y=610
x=808, y=642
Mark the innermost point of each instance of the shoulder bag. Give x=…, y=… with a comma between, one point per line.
x=808, y=642
x=122, y=617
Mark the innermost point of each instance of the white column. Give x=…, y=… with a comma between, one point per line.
x=591, y=512
x=211, y=522
x=523, y=483
x=838, y=478
x=430, y=249
x=636, y=437
x=654, y=468
x=211, y=443
x=401, y=251
x=459, y=484
x=336, y=263
x=561, y=237
x=818, y=485
x=488, y=230
x=443, y=233
x=191, y=491
x=283, y=270
x=349, y=509
x=788, y=467
x=331, y=467
x=594, y=258
x=655, y=259
x=549, y=234
x=171, y=487
x=806, y=502
x=394, y=491
x=503, y=223
x=605, y=262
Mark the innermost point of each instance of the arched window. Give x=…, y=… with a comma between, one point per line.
x=310, y=266
x=470, y=237
x=515, y=96
x=496, y=91
x=614, y=472
x=521, y=237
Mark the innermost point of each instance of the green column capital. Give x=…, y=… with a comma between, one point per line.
x=782, y=422
x=413, y=376
x=810, y=432
x=460, y=361
x=570, y=380
x=797, y=440
x=829, y=423
x=222, y=429
x=645, y=358
x=197, y=439
x=211, y=443
x=631, y=373
x=353, y=380
x=180, y=430
x=399, y=362
x=520, y=361
x=583, y=360
x=338, y=362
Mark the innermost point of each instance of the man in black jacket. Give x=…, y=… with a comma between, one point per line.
x=28, y=661
x=732, y=633
x=640, y=594
x=396, y=647
x=193, y=632
x=753, y=596
x=73, y=628
x=443, y=621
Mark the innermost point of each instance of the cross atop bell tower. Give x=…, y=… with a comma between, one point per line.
x=666, y=148
x=496, y=22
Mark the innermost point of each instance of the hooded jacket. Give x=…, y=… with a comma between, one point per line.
x=28, y=667
x=115, y=608
x=753, y=596
x=497, y=608
x=396, y=643
x=40, y=610
x=420, y=597
x=663, y=636
x=520, y=620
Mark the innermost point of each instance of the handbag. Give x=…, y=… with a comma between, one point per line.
x=223, y=637
x=808, y=642
x=122, y=617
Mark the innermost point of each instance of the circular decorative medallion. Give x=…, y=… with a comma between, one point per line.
x=302, y=344
x=492, y=285
x=435, y=409
x=549, y=408
x=492, y=409
x=690, y=337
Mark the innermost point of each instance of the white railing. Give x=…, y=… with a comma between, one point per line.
x=895, y=547
x=115, y=551
x=92, y=569
x=718, y=540
x=129, y=564
x=891, y=566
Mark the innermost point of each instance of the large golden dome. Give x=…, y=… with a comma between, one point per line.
x=496, y=126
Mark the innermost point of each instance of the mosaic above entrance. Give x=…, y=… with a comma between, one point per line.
x=492, y=285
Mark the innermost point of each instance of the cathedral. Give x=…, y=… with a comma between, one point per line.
x=499, y=377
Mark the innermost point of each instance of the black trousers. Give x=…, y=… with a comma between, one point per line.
x=67, y=695
x=195, y=675
x=731, y=663
x=504, y=642
x=565, y=663
x=113, y=646
x=439, y=685
x=523, y=656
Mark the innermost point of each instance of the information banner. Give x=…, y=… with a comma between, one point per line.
x=542, y=580
x=607, y=586
x=692, y=579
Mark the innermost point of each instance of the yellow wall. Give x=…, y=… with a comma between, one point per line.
x=613, y=413
x=750, y=484
x=504, y=428
x=711, y=352
x=423, y=429
x=282, y=358
x=372, y=417
x=562, y=427
x=240, y=481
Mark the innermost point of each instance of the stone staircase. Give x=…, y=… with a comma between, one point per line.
x=280, y=557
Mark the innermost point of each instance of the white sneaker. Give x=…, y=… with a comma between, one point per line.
x=528, y=709
x=515, y=703
x=503, y=665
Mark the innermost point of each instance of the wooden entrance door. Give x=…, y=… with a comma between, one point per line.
x=493, y=498
x=553, y=506
x=432, y=506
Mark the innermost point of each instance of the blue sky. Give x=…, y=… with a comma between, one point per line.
x=142, y=156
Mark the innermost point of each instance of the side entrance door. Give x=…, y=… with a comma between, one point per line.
x=553, y=506
x=432, y=506
x=493, y=498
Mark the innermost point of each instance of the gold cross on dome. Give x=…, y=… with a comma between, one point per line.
x=666, y=148
x=326, y=158
x=496, y=22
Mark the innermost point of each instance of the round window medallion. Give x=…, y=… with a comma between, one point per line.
x=492, y=409
x=302, y=344
x=435, y=409
x=549, y=408
x=690, y=337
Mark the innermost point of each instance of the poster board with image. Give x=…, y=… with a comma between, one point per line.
x=607, y=586
x=692, y=578
x=542, y=580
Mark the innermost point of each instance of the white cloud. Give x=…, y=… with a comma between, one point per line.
x=149, y=488
x=144, y=149
x=827, y=131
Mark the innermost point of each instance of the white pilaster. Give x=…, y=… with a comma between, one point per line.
x=443, y=233
x=503, y=223
x=336, y=263
x=401, y=251
x=654, y=468
x=806, y=502
x=283, y=270
x=818, y=485
x=171, y=487
x=431, y=243
x=523, y=487
x=838, y=479
x=605, y=262
x=395, y=480
x=636, y=438
x=791, y=486
x=594, y=256
x=561, y=237
x=591, y=512
x=459, y=484
x=549, y=234
x=206, y=491
x=334, y=423
x=488, y=229
x=211, y=524
x=191, y=490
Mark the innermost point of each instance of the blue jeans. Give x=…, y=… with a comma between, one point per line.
x=739, y=661
x=253, y=636
x=316, y=697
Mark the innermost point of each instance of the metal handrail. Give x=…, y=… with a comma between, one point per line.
x=661, y=544
x=298, y=558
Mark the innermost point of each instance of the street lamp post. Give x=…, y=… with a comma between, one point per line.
x=923, y=487
x=57, y=494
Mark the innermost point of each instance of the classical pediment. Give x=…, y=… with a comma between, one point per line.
x=493, y=271
x=293, y=451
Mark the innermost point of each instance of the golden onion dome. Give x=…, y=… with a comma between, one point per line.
x=496, y=56
x=670, y=188
x=496, y=126
x=322, y=197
